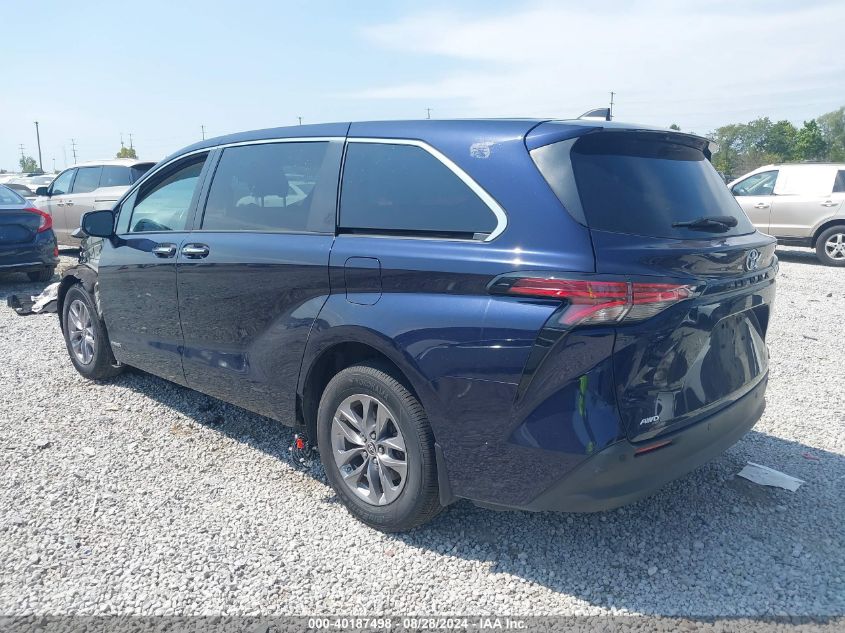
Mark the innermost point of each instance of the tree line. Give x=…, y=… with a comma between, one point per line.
x=746, y=146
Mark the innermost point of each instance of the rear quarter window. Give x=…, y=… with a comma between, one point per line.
x=629, y=182
x=404, y=189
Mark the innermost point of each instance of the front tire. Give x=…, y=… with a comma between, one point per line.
x=85, y=337
x=830, y=247
x=377, y=449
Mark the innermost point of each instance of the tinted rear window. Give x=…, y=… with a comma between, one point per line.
x=629, y=182
x=7, y=196
x=115, y=176
x=139, y=170
x=403, y=189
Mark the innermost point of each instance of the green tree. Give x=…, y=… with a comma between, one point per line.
x=675, y=127
x=28, y=164
x=809, y=143
x=127, y=152
x=780, y=141
x=832, y=125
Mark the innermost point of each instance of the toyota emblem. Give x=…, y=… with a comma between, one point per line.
x=752, y=260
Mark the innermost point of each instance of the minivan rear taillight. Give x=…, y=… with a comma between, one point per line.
x=596, y=302
x=46, y=222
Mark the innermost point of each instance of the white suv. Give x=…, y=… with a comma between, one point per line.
x=801, y=205
x=78, y=189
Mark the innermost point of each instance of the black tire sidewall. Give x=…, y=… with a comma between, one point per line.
x=820, y=250
x=396, y=514
x=102, y=366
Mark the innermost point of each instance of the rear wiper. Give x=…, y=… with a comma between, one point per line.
x=710, y=222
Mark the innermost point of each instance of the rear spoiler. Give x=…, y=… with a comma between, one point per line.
x=556, y=131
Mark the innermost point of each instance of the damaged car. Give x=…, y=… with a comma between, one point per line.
x=530, y=314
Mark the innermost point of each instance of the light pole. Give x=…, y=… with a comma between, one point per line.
x=38, y=137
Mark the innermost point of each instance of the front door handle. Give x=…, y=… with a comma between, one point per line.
x=164, y=250
x=69, y=203
x=829, y=203
x=195, y=251
x=761, y=205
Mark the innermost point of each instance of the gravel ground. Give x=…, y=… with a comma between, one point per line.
x=142, y=497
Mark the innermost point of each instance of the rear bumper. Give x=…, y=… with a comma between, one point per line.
x=31, y=257
x=617, y=476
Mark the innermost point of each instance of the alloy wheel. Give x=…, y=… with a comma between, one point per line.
x=80, y=330
x=369, y=449
x=835, y=246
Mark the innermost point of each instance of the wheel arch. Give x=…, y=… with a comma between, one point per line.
x=77, y=275
x=840, y=221
x=345, y=346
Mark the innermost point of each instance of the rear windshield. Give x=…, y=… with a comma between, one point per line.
x=634, y=183
x=7, y=196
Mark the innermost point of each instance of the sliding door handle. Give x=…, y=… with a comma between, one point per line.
x=164, y=250
x=195, y=251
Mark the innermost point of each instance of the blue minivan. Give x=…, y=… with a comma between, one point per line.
x=531, y=314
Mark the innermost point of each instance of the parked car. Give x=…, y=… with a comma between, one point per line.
x=561, y=316
x=27, y=242
x=77, y=190
x=800, y=204
x=21, y=190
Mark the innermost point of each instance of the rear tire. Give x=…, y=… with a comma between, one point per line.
x=45, y=274
x=830, y=247
x=383, y=435
x=85, y=337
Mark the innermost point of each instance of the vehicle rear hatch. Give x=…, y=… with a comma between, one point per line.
x=659, y=213
x=17, y=226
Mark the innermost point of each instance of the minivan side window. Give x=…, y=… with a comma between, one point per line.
x=115, y=176
x=165, y=202
x=268, y=187
x=61, y=185
x=839, y=183
x=404, y=189
x=762, y=184
x=87, y=179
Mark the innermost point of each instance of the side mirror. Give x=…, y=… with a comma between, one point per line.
x=98, y=223
x=42, y=191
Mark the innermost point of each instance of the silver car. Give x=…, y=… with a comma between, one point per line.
x=800, y=204
x=78, y=189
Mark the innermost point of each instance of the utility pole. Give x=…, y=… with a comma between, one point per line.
x=73, y=148
x=610, y=113
x=54, y=164
x=121, y=140
x=202, y=127
x=131, y=146
x=38, y=137
x=300, y=119
x=428, y=113
x=21, y=148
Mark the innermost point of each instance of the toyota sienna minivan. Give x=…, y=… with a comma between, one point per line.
x=543, y=315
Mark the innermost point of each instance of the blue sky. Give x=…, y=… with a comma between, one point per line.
x=91, y=70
